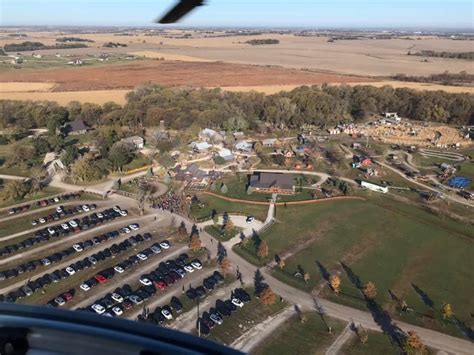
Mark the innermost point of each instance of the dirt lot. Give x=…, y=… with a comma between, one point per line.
x=171, y=73
x=417, y=135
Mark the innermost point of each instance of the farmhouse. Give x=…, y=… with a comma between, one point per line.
x=269, y=142
x=226, y=154
x=374, y=187
x=135, y=141
x=272, y=183
x=75, y=127
x=244, y=146
x=200, y=147
x=208, y=134
x=189, y=173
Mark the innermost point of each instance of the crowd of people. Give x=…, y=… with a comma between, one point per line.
x=168, y=202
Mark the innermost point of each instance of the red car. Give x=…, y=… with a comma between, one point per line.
x=67, y=296
x=161, y=285
x=127, y=304
x=100, y=278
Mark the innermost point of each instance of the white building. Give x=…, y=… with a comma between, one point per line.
x=226, y=154
x=208, y=134
x=374, y=187
x=200, y=147
x=269, y=142
x=244, y=146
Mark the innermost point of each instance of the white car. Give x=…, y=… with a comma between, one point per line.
x=56, y=199
x=60, y=301
x=70, y=270
x=98, y=308
x=117, y=310
x=59, y=209
x=134, y=227
x=135, y=299
x=85, y=208
x=117, y=209
x=145, y=281
x=126, y=230
x=34, y=222
x=164, y=244
x=166, y=314
x=123, y=213
x=65, y=226
x=85, y=287
x=119, y=269
x=100, y=215
x=237, y=302
x=142, y=256
x=73, y=224
x=188, y=268
x=42, y=220
x=196, y=264
x=116, y=297
x=155, y=249
x=51, y=231
x=77, y=247
x=216, y=319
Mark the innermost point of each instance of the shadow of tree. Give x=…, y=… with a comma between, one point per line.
x=324, y=272
x=423, y=295
x=467, y=331
x=380, y=316
x=352, y=276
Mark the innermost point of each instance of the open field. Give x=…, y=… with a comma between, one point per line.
x=171, y=73
x=308, y=337
x=377, y=343
x=63, y=98
x=367, y=57
x=382, y=240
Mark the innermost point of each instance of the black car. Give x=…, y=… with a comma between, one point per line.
x=191, y=294
x=242, y=295
x=203, y=328
x=201, y=292
x=208, y=283
x=176, y=304
x=147, y=236
x=230, y=306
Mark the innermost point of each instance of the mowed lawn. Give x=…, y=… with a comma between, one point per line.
x=296, y=337
x=377, y=343
x=381, y=240
x=221, y=206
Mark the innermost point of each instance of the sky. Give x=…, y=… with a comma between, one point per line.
x=415, y=14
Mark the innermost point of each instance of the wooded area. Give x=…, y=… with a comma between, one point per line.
x=34, y=46
x=233, y=111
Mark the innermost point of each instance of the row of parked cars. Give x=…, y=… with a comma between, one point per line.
x=63, y=298
x=124, y=298
x=32, y=265
x=44, y=203
x=223, y=308
x=64, y=229
x=103, y=277
x=167, y=312
x=59, y=274
x=62, y=212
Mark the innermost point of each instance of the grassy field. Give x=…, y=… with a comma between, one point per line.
x=221, y=206
x=46, y=192
x=377, y=343
x=310, y=337
x=244, y=319
x=390, y=243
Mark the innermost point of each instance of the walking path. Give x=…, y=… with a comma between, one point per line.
x=340, y=341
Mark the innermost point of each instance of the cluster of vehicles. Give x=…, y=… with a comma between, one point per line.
x=34, y=285
x=124, y=298
x=62, y=212
x=107, y=274
x=44, y=203
x=223, y=308
x=62, y=298
x=66, y=228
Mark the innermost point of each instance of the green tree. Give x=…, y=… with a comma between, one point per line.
x=120, y=154
x=69, y=154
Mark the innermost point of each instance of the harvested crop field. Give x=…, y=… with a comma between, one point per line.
x=99, y=97
x=172, y=73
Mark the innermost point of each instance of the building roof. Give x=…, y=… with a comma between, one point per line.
x=268, y=180
x=225, y=154
x=76, y=126
x=243, y=145
x=200, y=145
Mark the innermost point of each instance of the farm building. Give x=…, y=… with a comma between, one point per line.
x=272, y=183
x=200, y=147
x=208, y=134
x=244, y=146
x=75, y=127
x=135, y=141
x=269, y=142
x=226, y=154
x=188, y=173
x=374, y=187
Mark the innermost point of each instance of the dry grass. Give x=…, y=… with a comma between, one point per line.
x=63, y=98
x=15, y=87
x=169, y=56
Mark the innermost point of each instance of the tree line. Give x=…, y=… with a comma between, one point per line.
x=257, y=42
x=455, y=55
x=73, y=39
x=191, y=109
x=34, y=46
x=445, y=78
